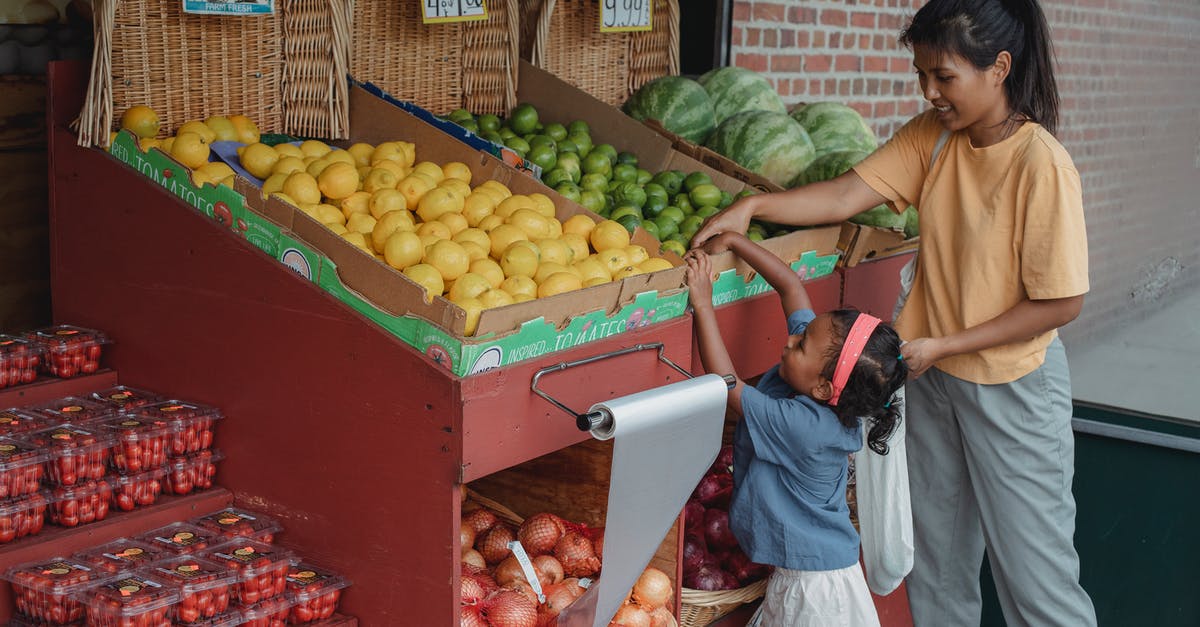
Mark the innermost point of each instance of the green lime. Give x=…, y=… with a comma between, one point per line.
x=654, y=206
x=726, y=199
x=674, y=246
x=629, y=194
x=543, y=140
x=470, y=125
x=654, y=189
x=523, y=119
x=651, y=228
x=597, y=162
x=489, y=122
x=506, y=133
x=627, y=157
x=566, y=145
x=666, y=227
x=624, y=172
x=754, y=236
x=608, y=151
x=745, y=192
x=624, y=210
x=705, y=212
x=682, y=201
x=579, y=126
x=695, y=179
x=519, y=146
x=569, y=160
x=556, y=131
x=644, y=176
x=598, y=182
x=630, y=222
x=556, y=176
x=569, y=190
x=705, y=195
x=582, y=141
x=592, y=199
x=458, y=116
x=690, y=225
x=492, y=136
x=673, y=214
x=544, y=156
x=670, y=180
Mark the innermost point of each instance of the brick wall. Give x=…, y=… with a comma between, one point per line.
x=1130, y=90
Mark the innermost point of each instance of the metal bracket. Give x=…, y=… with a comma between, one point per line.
x=601, y=419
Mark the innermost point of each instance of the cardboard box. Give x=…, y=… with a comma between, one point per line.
x=860, y=243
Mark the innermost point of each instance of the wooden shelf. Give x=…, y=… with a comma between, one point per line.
x=50, y=388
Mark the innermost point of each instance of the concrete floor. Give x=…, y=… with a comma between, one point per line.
x=1152, y=366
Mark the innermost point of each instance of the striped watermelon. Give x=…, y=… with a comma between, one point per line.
x=680, y=104
x=827, y=166
x=734, y=90
x=835, y=127
x=771, y=144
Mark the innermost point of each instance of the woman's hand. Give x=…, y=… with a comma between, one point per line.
x=734, y=218
x=920, y=354
x=699, y=279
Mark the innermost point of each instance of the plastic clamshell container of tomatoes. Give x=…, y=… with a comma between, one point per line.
x=231, y=618
x=232, y=522
x=140, y=490
x=72, y=409
x=22, y=516
x=181, y=538
x=121, y=555
x=124, y=399
x=22, y=466
x=261, y=568
x=192, y=473
x=316, y=590
x=191, y=423
x=271, y=612
x=203, y=585
x=129, y=600
x=19, y=359
x=46, y=590
x=15, y=421
x=69, y=350
x=141, y=444
x=77, y=452
x=71, y=506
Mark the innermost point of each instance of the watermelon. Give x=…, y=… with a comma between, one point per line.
x=834, y=127
x=827, y=166
x=912, y=223
x=881, y=216
x=680, y=104
x=771, y=144
x=735, y=90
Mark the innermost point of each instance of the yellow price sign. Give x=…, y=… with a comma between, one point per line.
x=622, y=16
x=439, y=11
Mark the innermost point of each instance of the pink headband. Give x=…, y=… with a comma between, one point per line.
x=856, y=340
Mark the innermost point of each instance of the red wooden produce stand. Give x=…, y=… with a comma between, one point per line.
x=873, y=286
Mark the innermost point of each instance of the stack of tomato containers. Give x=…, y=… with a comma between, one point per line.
x=64, y=351
x=221, y=569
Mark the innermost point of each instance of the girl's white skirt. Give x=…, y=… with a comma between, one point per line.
x=827, y=598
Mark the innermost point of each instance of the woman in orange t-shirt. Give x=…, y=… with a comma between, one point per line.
x=1002, y=265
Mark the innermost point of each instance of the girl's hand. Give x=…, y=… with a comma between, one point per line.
x=920, y=354
x=699, y=279
x=734, y=218
x=718, y=244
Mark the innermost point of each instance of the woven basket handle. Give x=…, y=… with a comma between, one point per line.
x=95, y=119
x=543, y=34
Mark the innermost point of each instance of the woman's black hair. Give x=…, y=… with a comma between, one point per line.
x=978, y=30
x=870, y=391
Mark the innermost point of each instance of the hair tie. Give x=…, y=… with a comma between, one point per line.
x=900, y=357
x=856, y=341
x=887, y=405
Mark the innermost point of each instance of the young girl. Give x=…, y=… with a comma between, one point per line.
x=1002, y=265
x=791, y=445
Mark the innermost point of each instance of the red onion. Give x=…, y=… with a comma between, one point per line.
x=724, y=462
x=540, y=532
x=714, y=490
x=695, y=550
x=493, y=544
x=509, y=608
x=717, y=531
x=710, y=578
x=577, y=555
x=693, y=516
x=745, y=571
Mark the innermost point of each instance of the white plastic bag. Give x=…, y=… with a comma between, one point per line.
x=884, y=511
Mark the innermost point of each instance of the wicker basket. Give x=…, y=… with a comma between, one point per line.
x=700, y=608
x=566, y=40
x=285, y=71
x=470, y=65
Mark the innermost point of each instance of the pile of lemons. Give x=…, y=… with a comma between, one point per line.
x=479, y=246
x=191, y=143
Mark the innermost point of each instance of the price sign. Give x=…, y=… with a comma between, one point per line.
x=437, y=11
x=620, y=16
x=229, y=7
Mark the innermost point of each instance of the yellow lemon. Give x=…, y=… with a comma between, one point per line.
x=146, y=143
x=545, y=269
x=165, y=146
x=409, y=151
x=496, y=187
x=559, y=283
x=427, y=277
x=614, y=259
x=469, y=285
x=458, y=187
x=510, y=205
x=222, y=128
x=477, y=206
x=361, y=153
x=475, y=251
x=530, y=221
x=449, y=258
x=247, y=130
x=330, y=214
x=356, y=203
x=190, y=149
x=387, y=151
x=503, y=236
x=580, y=224
x=282, y=197
x=637, y=254
x=379, y=178
x=141, y=121
x=317, y=166
x=517, y=260
x=437, y=201
x=478, y=236
x=339, y=155
x=361, y=223
x=356, y=238
x=490, y=222
x=434, y=229
x=495, y=298
x=199, y=178
x=338, y=181
x=363, y=171
x=489, y=270
x=414, y=187
x=473, y=307
x=287, y=165
x=554, y=227
x=384, y=201
x=392, y=166
x=555, y=251
x=259, y=160
x=593, y=268
x=520, y=284
x=627, y=271
x=455, y=221
x=403, y=249
x=390, y=223
x=595, y=281
x=217, y=170
x=655, y=264
x=288, y=150
x=199, y=128
x=609, y=234
x=303, y=187
x=542, y=204
x=314, y=148
x=457, y=170
x=336, y=227
x=274, y=183
x=578, y=245
x=431, y=170
x=228, y=181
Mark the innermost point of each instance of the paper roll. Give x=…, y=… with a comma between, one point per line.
x=665, y=440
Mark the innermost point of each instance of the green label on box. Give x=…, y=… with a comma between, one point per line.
x=729, y=287
x=299, y=258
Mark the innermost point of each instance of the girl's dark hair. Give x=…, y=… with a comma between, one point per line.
x=870, y=390
x=978, y=30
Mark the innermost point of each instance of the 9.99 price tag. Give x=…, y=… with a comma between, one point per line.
x=437, y=11
x=620, y=16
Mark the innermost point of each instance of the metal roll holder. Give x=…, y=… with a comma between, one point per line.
x=600, y=422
